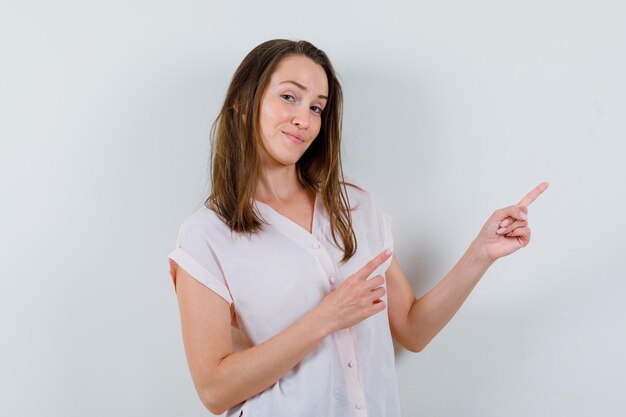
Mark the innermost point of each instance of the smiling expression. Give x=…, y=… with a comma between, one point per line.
x=291, y=110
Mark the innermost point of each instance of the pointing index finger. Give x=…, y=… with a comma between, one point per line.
x=371, y=266
x=532, y=196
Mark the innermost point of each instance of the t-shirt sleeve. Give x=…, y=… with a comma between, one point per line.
x=385, y=224
x=387, y=231
x=194, y=254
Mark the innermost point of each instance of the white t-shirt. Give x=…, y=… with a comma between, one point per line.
x=274, y=278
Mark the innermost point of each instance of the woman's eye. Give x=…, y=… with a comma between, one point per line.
x=317, y=109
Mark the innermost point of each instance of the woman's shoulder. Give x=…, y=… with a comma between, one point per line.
x=354, y=186
x=358, y=192
x=203, y=221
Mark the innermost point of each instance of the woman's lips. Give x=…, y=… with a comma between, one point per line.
x=293, y=138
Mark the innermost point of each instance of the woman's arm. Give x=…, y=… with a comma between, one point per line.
x=224, y=379
x=414, y=323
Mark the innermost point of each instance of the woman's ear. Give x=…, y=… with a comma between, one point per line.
x=236, y=106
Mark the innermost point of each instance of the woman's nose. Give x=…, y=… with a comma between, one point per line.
x=301, y=117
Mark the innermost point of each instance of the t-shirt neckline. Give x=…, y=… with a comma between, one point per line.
x=277, y=216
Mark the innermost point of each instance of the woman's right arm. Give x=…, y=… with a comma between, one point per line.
x=224, y=379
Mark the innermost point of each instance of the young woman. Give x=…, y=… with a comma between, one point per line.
x=289, y=296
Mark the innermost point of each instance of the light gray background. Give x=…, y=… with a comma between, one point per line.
x=452, y=110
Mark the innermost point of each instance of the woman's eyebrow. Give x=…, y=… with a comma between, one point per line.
x=302, y=87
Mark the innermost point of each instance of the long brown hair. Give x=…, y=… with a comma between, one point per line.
x=235, y=160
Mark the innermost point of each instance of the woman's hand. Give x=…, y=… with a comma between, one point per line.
x=356, y=299
x=507, y=229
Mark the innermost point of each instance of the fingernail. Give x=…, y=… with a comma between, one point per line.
x=388, y=252
x=523, y=215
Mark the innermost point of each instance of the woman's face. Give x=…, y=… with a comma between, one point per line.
x=290, y=113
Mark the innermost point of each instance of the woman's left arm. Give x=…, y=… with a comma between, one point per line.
x=415, y=322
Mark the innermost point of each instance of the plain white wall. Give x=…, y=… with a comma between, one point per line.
x=452, y=110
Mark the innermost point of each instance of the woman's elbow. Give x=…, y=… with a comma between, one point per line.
x=416, y=346
x=414, y=349
x=412, y=345
x=212, y=396
x=212, y=403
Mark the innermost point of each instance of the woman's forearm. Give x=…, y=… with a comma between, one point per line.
x=431, y=312
x=244, y=374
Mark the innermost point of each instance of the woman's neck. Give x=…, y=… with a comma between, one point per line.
x=279, y=184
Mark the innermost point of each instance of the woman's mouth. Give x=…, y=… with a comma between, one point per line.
x=293, y=138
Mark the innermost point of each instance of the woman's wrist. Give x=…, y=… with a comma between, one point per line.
x=477, y=253
x=320, y=324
